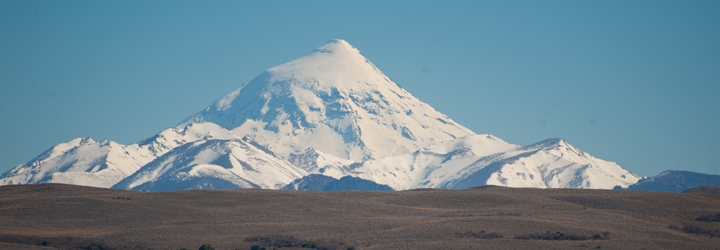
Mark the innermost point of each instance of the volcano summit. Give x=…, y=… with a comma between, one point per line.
x=335, y=101
x=331, y=113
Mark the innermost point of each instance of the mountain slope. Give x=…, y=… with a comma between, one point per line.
x=81, y=161
x=335, y=101
x=561, y=166
x=349, y=183
x=84, y=161
x=315, y=182
x=316, y=162
x=330, y=113
x=214, y=164
x=318, y=182
x=675, y=181
x=477, y=160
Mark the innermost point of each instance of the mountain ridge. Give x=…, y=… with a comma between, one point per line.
x=674, y=181
x=331, y=112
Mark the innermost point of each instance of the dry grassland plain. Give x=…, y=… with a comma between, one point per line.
x=69, y=217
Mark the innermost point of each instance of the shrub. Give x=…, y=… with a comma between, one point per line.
x=481, y=235
x=63, y=242
x=280, y=241
x=206, y=247
x=562, y=236
x=309, y=244
x=601, y=236
x=258, y=247
x=694, y=229
x=509, y=214
x=709, y=217
x=97, y=247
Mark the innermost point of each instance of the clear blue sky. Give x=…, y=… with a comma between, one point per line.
x=635, y=82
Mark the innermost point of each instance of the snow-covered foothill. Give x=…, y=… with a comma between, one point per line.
x=214, y=164
x=477, y=160
x=83, y=161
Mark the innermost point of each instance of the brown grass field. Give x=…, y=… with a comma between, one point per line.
x=74, y=216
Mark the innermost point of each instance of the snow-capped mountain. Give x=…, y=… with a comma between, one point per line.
x=330, y=113
x=477, y=160
x=674, y=181
x=335, y=101
x=83, y=161
x=212, y=164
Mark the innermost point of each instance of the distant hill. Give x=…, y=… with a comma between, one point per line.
x=318, y=182
x=674, y=181
x=314, y=182
x=486, y=187
x=349, y=183
x=703, y=190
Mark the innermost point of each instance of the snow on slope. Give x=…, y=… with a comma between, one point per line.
x=314, y=182
x=214, y=164
x=331, y=112
x=332, y=100
x=84, y=161
x=560, y=165
x=171, y=138
x=316, y=162
x=81, y=161
x=486, y=160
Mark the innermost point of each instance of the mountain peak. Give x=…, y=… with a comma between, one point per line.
x=337, y=46
x=334, y=100
x=335, y=65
